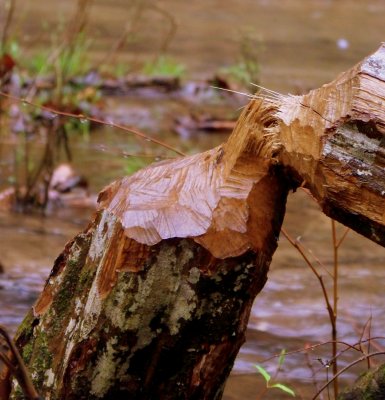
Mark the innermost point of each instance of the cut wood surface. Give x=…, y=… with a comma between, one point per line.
x=152, y=300
x=334, y=138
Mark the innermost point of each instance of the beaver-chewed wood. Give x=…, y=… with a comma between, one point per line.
x=334, y=138
x=152, y=300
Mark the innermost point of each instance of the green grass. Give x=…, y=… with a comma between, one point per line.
x=244, y=72
x=164, y=66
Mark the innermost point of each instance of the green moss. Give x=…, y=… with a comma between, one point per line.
x=41, y=359
x=369, y=386
x=26, y=329
x=27, y=352
x=63, y=298
x=86, y=278
x=74, y=277
x=17, y=392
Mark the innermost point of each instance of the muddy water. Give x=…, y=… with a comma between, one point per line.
x=306, y=43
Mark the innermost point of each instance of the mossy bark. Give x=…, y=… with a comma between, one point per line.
x=370, y=386
x=119, y=319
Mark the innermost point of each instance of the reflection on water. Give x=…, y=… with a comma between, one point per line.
x=306, y=43
x=18, y=291
x=28, y=247
x=290, y=313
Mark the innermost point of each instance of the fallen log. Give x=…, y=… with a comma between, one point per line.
x=152, y=300
x=334, y=138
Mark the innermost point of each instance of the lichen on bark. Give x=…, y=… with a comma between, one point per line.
x=181, y=305
x=369, y=386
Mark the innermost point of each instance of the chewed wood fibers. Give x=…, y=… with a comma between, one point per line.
x=199, y=196
x=205, y=193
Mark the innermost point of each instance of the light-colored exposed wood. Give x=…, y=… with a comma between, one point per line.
x=207, y=197
x=333, y=139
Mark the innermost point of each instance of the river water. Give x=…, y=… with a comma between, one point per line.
x=305, y=43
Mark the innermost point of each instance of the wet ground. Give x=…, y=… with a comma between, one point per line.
x=306, y=43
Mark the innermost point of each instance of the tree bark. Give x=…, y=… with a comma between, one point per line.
x=152, y=300
x=369, y=386
x=122, y=319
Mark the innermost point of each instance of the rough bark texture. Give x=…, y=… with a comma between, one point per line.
x=152, y=300
x=124, y=319
x=370, y=386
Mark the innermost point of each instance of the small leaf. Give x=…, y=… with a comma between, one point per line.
x=263, y=372
x=283, y=388
x=281, y=358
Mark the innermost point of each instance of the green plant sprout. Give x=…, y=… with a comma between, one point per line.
x=248, y=67
x=268, y=379
x=164, y=66
x=134, y=164
x=243, y=72
x=12, y=48
x=72, y=61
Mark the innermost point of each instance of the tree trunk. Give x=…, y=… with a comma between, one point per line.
x=120, y=318
x=152, y=300
x=369, y=386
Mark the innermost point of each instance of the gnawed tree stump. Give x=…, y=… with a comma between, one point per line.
x=165, y=320
x=152, y=300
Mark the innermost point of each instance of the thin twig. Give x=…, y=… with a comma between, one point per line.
x=318, y=261
x=311, y=367
x=96, y=120
x=367, y=327
x=314, y=346
x=7, y=362
x=173, y=26
x=129, y=31
x=364, y=357
x=315, y=272
x=105, y=149
x=363, y=331
x=20, y=370
x=335, y=305
x=369, y=341
x=347, y=230
x=10, y=5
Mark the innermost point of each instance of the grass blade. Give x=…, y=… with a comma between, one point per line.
x=263, y=372
x=284, y=388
